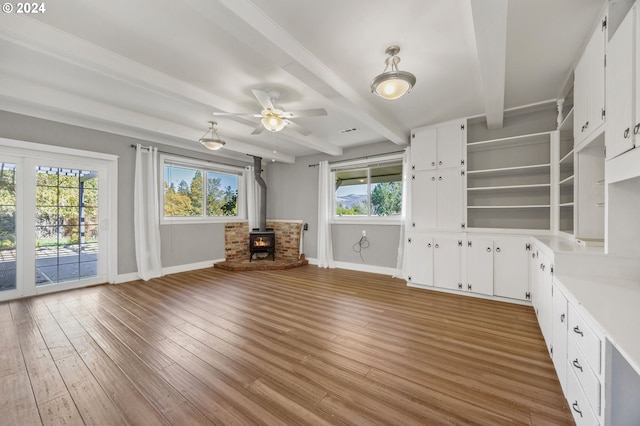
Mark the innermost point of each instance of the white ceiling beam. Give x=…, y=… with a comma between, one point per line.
x=23, y=97
x=292, y=57
x=490, y=26
x=42, y=38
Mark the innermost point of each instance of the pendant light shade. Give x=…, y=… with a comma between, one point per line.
x=392, y=84
x=214, y=142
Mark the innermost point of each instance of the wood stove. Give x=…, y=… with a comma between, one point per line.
x=262, y=242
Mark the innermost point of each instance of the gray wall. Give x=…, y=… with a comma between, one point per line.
x=181, y=244
x=293, y=194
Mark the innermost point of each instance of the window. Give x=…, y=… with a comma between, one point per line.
x=194, y=191
x=368, y=191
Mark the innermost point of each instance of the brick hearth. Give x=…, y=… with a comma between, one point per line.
x=236, y=246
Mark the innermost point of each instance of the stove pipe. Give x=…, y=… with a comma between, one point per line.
x=257, y=171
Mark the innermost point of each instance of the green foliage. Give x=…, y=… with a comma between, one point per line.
x=386, y=198
x=187, y=200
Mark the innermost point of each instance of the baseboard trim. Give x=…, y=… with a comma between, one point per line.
x=133, y=276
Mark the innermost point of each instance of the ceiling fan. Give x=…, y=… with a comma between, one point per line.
x=273, y=117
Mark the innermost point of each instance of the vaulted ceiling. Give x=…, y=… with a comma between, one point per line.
x=159, y=69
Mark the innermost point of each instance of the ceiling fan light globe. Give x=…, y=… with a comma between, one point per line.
x=273, y=122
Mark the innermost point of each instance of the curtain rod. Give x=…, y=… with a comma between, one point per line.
x=366, y=157
x=187, y=156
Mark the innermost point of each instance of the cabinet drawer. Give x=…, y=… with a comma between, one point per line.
x=578, y=403
x=587, y=340
x=584, y=374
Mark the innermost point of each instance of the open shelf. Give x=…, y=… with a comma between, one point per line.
x=532, y=206
x=567, y=122
x=567, y=158
x=567, y=181
x=511, y=187
x=536, y=138
x=510, y=170
x=571, y=204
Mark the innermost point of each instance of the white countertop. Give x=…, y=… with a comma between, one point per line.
x=564, y=245
x=615, y=306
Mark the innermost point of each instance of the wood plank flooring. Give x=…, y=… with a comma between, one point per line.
x=302, y=346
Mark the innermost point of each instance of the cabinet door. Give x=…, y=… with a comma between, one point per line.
x=450, y=202
x=423, y=149
x=511, y=268
x=480, y=271
x=447, y=253
x=559, y=332
x=424, y=208
x=450, y=143
x=619, y=135
x=636, y=121
x=597, y=79
x=544, y=298
x=419, y=259
x=581, y=97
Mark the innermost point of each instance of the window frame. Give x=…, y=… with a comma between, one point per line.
x=367, y=163
x=204, y=167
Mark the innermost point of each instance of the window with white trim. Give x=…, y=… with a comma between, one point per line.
x=368, y=191
x=197, y=191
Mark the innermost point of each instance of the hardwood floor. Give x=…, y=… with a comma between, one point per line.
x=301, y=346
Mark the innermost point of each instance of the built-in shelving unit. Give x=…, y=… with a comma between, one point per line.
x=566, y=187
x=509, y=183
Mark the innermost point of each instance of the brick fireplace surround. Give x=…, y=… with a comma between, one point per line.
x=236, y=246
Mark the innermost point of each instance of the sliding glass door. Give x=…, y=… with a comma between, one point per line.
x=54, y=227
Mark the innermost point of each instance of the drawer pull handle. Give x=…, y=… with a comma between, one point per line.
x=562, y=318
x=576, y=364
x=576, y=408
x=577, y=330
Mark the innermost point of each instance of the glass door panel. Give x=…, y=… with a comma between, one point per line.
x=66, y=225
x=8, y=254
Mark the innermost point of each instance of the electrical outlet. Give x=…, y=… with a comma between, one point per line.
x=364, y=233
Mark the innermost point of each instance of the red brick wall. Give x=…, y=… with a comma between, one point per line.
x=236, y=239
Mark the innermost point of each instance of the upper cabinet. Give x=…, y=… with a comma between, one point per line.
x=589, y=85
x=623, y=102
x=440, y=146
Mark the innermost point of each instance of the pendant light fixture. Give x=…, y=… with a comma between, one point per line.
x=214, y=142
x=392, y=84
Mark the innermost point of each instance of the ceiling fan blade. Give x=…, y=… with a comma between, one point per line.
x=236, y=114
x=298, y=128
x=263, y=98
x=314, y=112
x=258, y=129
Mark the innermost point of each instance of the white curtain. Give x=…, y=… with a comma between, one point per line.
x=253, y=197
x=325, y=195
x=406, y=217
x=146, y=213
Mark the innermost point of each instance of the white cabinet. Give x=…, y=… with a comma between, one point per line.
x=437, y=199
x=622, y=126
x=480, y=272
x=439, y=146
x=447, y=261
x=559, y=335
x=419, y=259
x=434, y=260
x=510, y=268
x=589, y=87
x=541, y=293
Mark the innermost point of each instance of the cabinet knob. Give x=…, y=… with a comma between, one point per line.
x=440, y=163
x=437, y=246
x=577, y=330
x=433, y=178
x=626, y=132
x=562, y=317
x=429, y=245
x=577, y=365
x=488, y=249
x=636, y=128
x=498, y=249
x=433, y=163
x=439, y=177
